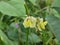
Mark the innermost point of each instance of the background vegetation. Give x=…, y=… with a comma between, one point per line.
x=14, y=12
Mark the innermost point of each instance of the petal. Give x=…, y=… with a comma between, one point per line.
x=45, y=22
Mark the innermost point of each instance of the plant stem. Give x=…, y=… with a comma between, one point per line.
x=27, y=33
x=27, y=10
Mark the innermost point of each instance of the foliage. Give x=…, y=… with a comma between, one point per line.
x=29, y=22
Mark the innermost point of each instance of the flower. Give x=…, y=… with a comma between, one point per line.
x=17, y=25
x=41, y=24
x=29, y=22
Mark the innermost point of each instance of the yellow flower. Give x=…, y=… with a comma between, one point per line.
x=41, y=24
x=29, y=22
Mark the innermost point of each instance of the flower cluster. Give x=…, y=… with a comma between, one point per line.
x=41, y=24
x=33, y=22
x=30, y=22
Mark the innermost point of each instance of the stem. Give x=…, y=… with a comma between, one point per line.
x=27, y=33
x=27, y=10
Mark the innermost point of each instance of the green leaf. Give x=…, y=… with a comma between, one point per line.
x=34, y=38
x=46, y=36
x=55, y=13
x=54, y=24
x=2, y=25
x=5, y=39
x=57, y=9
x=13, y=8
x=4, y=0
x=56, y=3
x=12, y=33
x=33, y=2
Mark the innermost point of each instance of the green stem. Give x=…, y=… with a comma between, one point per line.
x=27, y=10
x=27, y=33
